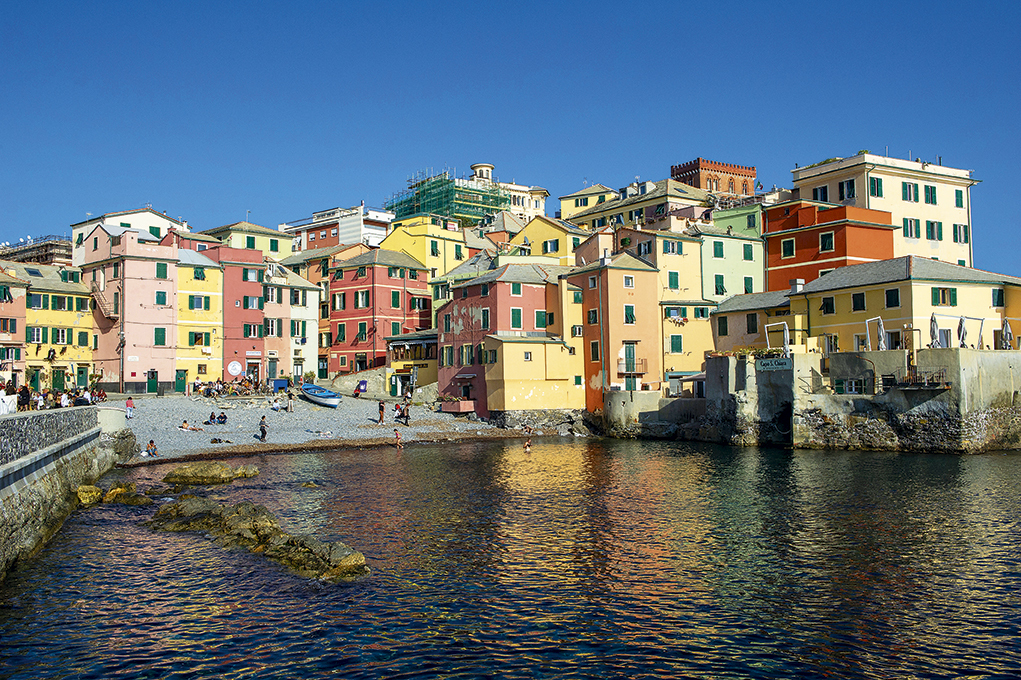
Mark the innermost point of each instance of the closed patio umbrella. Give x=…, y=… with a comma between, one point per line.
x=934, y=332
x=786, y=341
x=962, y=333
x=882, y=336
x=1006, y=336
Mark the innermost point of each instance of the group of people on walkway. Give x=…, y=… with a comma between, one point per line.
x=32, y=400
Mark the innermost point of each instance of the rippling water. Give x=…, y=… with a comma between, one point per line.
x=581, y=559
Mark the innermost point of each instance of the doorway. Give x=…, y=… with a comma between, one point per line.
x=180, y=380
x=152, y=382
x=58, y=379
x=83, y=376
x=271, y=369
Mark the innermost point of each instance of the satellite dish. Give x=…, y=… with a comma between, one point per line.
x=21, y=240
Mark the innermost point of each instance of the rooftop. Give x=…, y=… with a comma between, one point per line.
x=906, y=268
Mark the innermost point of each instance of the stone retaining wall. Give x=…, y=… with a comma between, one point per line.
x=44, y=457
x=564, y=422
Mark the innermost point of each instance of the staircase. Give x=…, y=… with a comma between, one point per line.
x=104, y=305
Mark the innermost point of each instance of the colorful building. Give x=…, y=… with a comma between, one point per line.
x=639, y=202
x=373, y=296
x=244, y=343
x=199, y=321
x=756, y=321
x=436, y=242
x=732, y=262
x=291, y=312
x=57, y=327
x=13, y=300
x=806, y=239
x=715, y=176
x=930, y=203
x=551, y=238
x=411, y=360
x=133, y=279
x=339, y=226
x=146, y=219
x=272, y=243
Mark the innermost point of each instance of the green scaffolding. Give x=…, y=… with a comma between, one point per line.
x=460, y=199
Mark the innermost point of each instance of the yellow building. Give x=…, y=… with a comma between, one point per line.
x=58, y=326
x=639, y=202
x=551, y=238
x=435, y=241
x=276, y=245
x=756, y=321
x=199, y=319
x=589, y=197
x=411, y=361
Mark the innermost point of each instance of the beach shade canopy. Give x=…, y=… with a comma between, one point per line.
x=934, y=331
x=962, y=333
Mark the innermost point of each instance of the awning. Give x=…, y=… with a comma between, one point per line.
x=692, y=378
x=464, y=376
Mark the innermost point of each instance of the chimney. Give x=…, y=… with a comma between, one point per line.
x=797, y=285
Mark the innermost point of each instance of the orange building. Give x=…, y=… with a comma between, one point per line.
x=806, y=239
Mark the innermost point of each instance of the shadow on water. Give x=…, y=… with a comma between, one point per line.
x=584, y=558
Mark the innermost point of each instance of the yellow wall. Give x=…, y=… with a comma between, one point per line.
x=68, y=355
x=239, y=239
x=415, y=235
x=545, y=382
x=541, y=229
x=567, y=207
x=696, y=340
x=200, y=321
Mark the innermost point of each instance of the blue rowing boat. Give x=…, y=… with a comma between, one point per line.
x=320, y=395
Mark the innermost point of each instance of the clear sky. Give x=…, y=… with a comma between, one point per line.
x=207, y=110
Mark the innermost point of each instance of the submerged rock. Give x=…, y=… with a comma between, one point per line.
x=245, y=471
x=201, y=472
x=253, y=527
x=89, y=495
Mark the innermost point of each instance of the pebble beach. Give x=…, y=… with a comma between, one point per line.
x=310, y=426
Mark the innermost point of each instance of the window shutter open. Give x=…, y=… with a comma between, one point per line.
x=303, y=328
x=953, y=297
x=205, y=339
x=28, y=334
x=46, y=334
x=260, y=303
x=935, y=296
x=939, y=231
x=280, y=328
x=205, y=303
x=260, y=276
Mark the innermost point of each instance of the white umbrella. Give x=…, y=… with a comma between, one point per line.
x=934, y=331
x=1006, y=336
x=882, y=336
x=786, y=341
x=962, y=332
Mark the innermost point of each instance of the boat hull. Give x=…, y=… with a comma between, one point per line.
x=321, y=396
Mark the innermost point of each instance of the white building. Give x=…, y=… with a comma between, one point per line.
x=339, y=226
x=142, y=219
x=525, y=201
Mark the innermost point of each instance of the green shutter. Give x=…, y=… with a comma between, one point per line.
x=674, y=280
x=939, y=231
x=953, y=297
x=14, y=326
x=261, y=302
x=515, y=318
x=244, y=302
x=160, y=337
x=280, y=328
x=28, y=333
x=46, y=301
x=191, y=339
x=675, y=343
x=83, y=338
x=935, y=296
x=46, y=334
x=304, y=298
x=161, y=270
x=205, y=339
x=395, y=299
x=191, y=302
x=907, y=228
x=205, y=303
x=303, y=328
x=260, y=276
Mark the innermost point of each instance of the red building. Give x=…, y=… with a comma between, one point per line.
x=372, y=296
x=244, y=347
x=806, y=239
x=716, y=176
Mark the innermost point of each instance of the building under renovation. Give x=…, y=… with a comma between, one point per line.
x=43, y=250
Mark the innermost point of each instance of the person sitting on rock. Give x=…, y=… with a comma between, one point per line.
x=222, y=419
x=150, y=450
x=186, y=426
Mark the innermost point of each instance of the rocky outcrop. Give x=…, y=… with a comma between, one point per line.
x=126, y=494
x=564, y=422
x=253, y=527
x=89, y=495
x=208, y=472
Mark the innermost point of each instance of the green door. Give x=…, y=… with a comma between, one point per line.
x=83, y=376
x=33, y=379
x=629, y=357
x=152, y=382
x=394, y=381
x=180, y=379
x=324, y=369
x=271, y=369
x=58, y=379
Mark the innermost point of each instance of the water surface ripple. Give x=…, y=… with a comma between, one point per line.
x=581, y=559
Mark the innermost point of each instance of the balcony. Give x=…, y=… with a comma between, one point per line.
x=463, y=406
x=632, y=366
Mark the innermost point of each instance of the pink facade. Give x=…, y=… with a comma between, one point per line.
x=244, y=344
x=134, y=283
x=12, y=329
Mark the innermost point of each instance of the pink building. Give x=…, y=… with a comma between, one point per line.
x=12, y=328
x=134, y=283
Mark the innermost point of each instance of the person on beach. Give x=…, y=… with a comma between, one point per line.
x=212, y=419
x=65, y=401
x=276, y=404
x=263, y=428
x=406, y=412
x=382, y=411
x=397, y=439
x=129, y=405
x=290, y=402
x=222, y=418
x=528, y=445
x=23, y=398
x=150, y=450
x=190, y=428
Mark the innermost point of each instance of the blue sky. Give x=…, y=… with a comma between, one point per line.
x=209, y=110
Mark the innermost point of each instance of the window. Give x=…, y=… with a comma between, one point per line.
x=876, y=187
x=528, y=356
x=484, y=290
x=59, y=303
x=446, y=323
x=464, y=292
x=160, y=337
x=749, y=254
x=341, y=332
x=575, y=242
x=576, y=331
x=395, y=328
x=95, y=243
x=516, y=289
x=752, y=322
x=274, y=245
x=361, y=299
x=909, y=192
x=581, y=202
x=458, y=255
x=35, y=334
x=629, y=314
x=360, y=273
x=821, y=194
x=35, y=301
x=201, y=369
x=413, y=274
x=912, y=228
x=997, y=297
x=577, y=297
x=250, y=275
x=629, y=281
x=434, y=248
x=721, y=326
x=200, y=274
x=720, y=288
x=963, y=263
x=930, y=194
x=161, y=297
x=676, y=343
x=959, y=198
x=933, y=230
x=960, y=233
x=828, y=305
x=83, y=339
x=594, y=350
x=362, y=331
x=339, y=301
x=749, y=285
x=591, y=282
x=250, y=242
x=717, y=249
x=550, y=246
x=516, y=317
x=857, y=302
x=249, y=302
x=485, y=319
x=395, y=299
x=700, y=312
x=787, y=247
x=826, y=242
x=540, y=319
x=645, y=248
x=333, y=232
x=892, y=298
x=673, y=280
x=593, y=316
x=116, y=301
x=845, y=189
x=944, y=297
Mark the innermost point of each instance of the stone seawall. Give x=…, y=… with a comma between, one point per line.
x=44, y=457
x=564, y=422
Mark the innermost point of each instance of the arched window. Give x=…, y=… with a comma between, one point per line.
x=744, y=187
x=730, y=186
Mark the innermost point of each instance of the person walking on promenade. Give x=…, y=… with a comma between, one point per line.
x=263, y=428
x=382, y=411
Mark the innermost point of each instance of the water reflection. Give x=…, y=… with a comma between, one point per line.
x=584, y=558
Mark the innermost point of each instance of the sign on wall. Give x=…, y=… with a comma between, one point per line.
x=774, y=364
